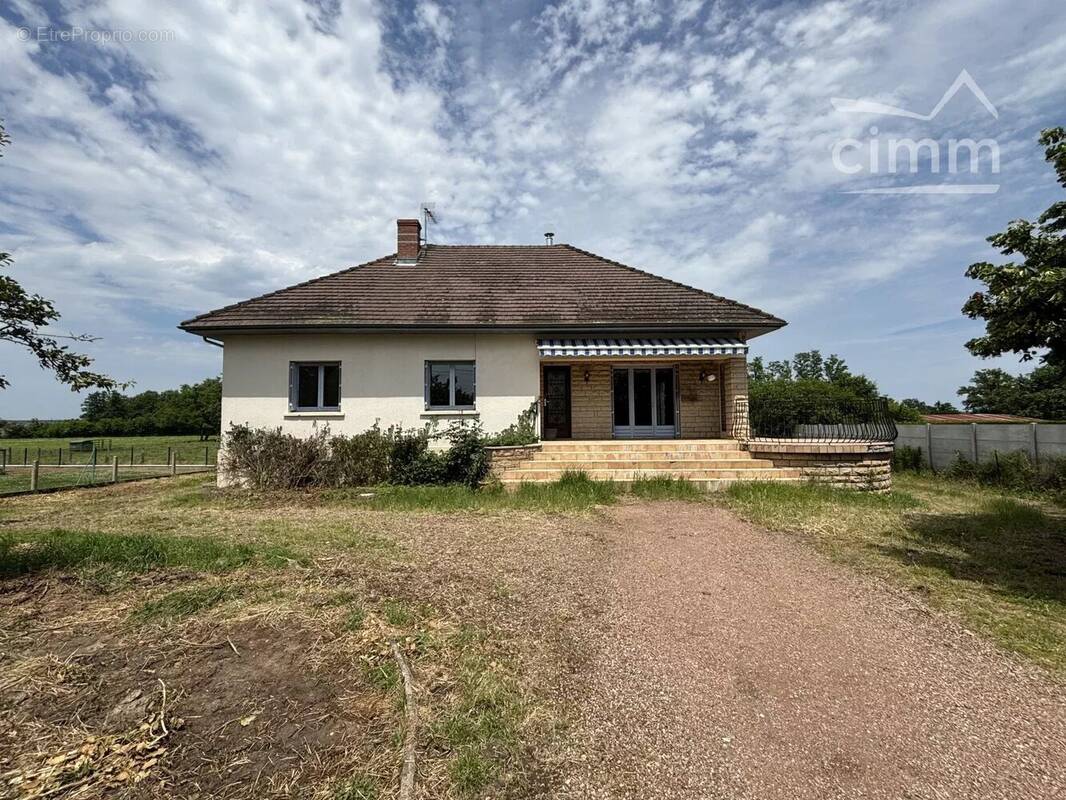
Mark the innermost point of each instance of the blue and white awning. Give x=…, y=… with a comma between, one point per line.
x=639, y=348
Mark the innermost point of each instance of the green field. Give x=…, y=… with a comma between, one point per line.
x=17, y=478
x=141, y=449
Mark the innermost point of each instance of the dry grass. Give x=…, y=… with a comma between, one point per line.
x=269, y=619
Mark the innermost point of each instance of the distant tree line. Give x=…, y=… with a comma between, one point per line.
x=1040, y=394
x=810, y=376
x=192, y=409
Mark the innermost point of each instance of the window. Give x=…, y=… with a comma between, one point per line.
x=314, y=387
x=450, y=384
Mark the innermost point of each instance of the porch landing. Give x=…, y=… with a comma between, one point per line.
x=708, y=463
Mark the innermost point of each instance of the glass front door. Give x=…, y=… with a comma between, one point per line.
x=644, y=402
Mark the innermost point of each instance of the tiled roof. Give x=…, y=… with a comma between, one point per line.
x=967, y=418
x=472, y=286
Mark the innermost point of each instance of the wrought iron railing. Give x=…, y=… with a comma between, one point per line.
x=812, y=420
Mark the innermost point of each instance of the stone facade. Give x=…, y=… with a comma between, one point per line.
x=734, y=385
x=701, y=401
x=590, y=401
x=504, y=458
x=700, y=409
x=865, y=466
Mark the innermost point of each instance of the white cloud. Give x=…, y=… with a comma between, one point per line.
x=269, y=143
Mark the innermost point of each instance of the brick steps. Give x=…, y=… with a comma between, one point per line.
x=707, y=463
x=664, y=461
x=525, y=474
x=567, y=456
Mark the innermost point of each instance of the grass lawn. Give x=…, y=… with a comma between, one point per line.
x=996, y=563
x=257, y=631
x=242, y=642
x=145, y=449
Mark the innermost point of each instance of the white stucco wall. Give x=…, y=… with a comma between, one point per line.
x=381, y=378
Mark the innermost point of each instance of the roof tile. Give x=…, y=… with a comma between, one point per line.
x=487, y=286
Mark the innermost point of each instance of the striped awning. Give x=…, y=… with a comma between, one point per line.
x=639, y=348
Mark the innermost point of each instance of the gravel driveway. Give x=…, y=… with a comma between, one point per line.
x=732, y=662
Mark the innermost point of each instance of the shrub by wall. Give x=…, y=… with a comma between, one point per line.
x=265, y=458
x=519, y=433
x=1015, y=471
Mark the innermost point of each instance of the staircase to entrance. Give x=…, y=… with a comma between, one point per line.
x=708, y=463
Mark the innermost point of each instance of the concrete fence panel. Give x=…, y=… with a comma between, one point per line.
x=943, y=443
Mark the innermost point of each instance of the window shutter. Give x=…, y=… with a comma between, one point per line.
x=292, y=386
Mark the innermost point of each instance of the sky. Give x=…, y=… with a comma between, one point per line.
x=167, y=159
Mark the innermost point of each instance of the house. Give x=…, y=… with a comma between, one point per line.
x=439, y=333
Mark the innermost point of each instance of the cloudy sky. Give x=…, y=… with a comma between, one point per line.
x=171, y=158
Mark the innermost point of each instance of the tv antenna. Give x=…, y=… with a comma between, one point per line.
x=428, y=216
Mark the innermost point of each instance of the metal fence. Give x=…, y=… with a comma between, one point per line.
x=941, y=445
x=816, y=420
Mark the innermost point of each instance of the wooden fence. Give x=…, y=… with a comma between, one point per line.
x=62, y=456
x=35, y=476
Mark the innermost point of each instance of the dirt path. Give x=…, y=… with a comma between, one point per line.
x=730, y=662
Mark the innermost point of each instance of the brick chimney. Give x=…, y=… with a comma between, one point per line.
x=408, y=239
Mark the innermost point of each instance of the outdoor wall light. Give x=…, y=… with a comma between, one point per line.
x=708, y=377
x=586, y=376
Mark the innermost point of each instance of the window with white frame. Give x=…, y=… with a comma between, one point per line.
x=450, y=385
x=314, y=386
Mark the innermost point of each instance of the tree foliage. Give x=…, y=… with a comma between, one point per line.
x=1024, y=304
x=809, y=376
x=1040, y=394
x=194, y=408
x=939, y=407
x=23, y=318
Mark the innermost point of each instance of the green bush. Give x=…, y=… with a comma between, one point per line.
x=267, y=458
x=465, y=461
x=411, y=462
x=359, y=460
x=908, y=459
x=1014, y=471
x=781, y=407
x=524, y=431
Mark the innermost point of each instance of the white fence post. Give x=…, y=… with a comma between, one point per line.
x=114, y=469
x=34, y=475
x=174, y=464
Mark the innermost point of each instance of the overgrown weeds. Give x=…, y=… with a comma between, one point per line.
x=1013, y=470
x=664, y=487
